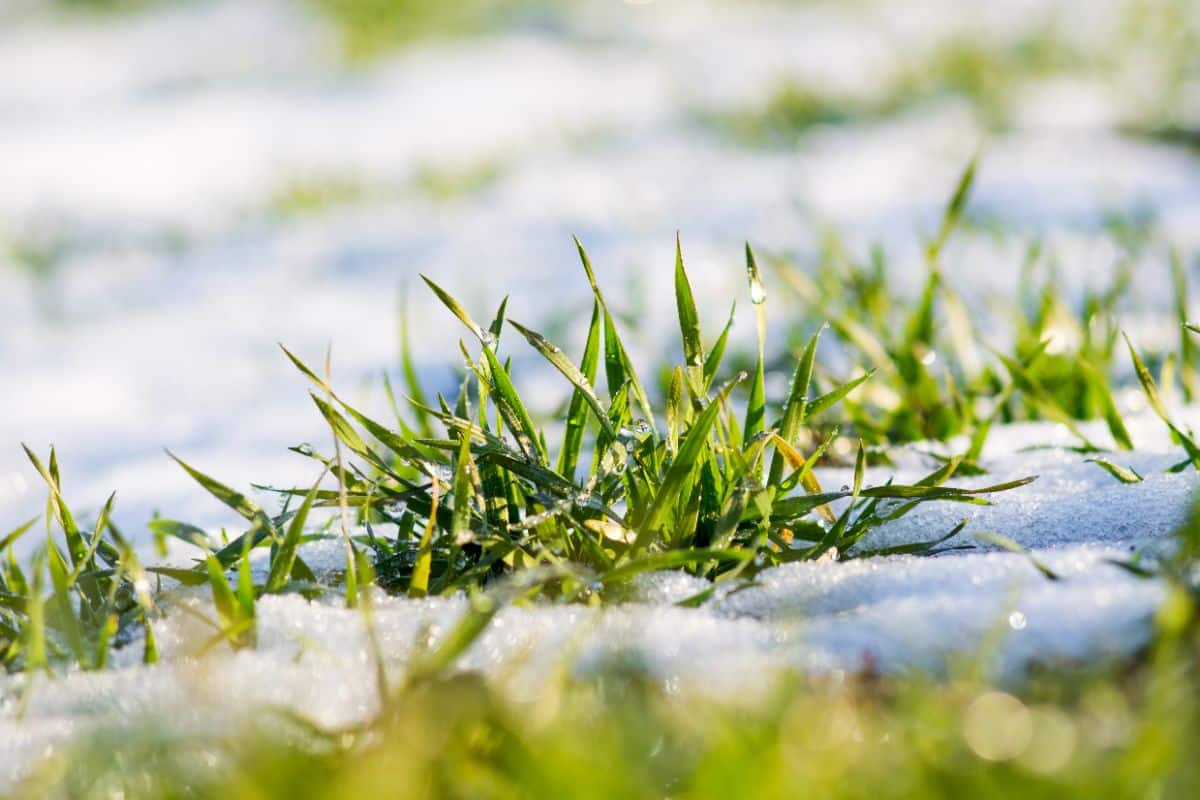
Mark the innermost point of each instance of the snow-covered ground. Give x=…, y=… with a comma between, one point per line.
x=152, y=158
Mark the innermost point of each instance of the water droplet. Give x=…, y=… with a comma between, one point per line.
x=1017, y=621
x=588, y=500
x=758, y=293
x=488, y=339
x=929, y=358
x=625, y=435
x=641, y=427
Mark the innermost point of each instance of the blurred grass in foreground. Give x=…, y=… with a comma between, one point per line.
x=619, y=733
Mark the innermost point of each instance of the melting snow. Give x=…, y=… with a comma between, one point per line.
x=147, y=155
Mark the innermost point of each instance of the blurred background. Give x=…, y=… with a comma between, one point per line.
x=185, y=183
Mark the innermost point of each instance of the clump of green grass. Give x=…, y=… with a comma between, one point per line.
x=98, y=594
x=469, y=489
x=935, y=375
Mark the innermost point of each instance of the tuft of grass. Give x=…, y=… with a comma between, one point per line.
x=97, y=596
x=482, y=497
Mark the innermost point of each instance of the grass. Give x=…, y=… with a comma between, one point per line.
x=1155, y=39
x=475, y=494
x=706, y=476
x=1111, y=731
x=370, y=28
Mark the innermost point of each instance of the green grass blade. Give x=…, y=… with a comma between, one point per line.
x=834, y=396
x=1123, y=474
x=223, y=597
x=1108, y=406
x=691, y=449
x=559, y=361
x=712, y=362
x=689, y=324
x=285, y=555
x=954, y=209
x=513, y=410
x=418, y=585
x=458, y=311
x=568, y=458
x=671, y=560
x=16, y=533
x=75, y=544
x=795, y=409
x=233, y=499
x=463, y=492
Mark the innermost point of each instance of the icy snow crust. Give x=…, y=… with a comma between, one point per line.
x=150, y=151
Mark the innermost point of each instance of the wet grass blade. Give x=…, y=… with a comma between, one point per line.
x=559, y=361
x=618, y=368
x=689, y=324
x=568, y=458
x=691, y=448
x=513, y=410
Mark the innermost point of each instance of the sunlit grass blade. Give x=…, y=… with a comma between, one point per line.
x=559, y=361
x=618, y=368
x=1123, y=474
x=689, y=324
x=419, y=583
x=1150, y=389
x=231, y=498
x=670, y=560
x=285, y=555
x=691, y=447
x=795, y=409
x=513, y=410
x=458, y=311
x=75, y=544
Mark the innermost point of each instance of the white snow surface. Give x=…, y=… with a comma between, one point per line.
x=147, y=150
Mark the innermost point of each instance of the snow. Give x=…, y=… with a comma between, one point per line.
x=149, y=150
